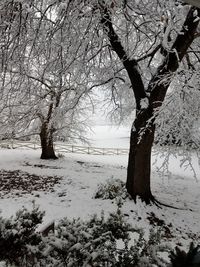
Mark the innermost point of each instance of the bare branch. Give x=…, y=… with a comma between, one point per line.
x=130, y=65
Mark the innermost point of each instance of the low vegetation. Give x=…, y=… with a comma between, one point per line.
x=110, y=242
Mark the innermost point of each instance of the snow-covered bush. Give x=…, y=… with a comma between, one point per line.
x=60, y=155
x=19, y=242
x=104, y=242
x=99, y=241
x=113, y=188
x=79, y=243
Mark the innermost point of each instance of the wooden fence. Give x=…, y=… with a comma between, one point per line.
x=64, y=148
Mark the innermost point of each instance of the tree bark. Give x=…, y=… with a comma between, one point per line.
x=46, y=137
x=139, y=164
x=142, y=133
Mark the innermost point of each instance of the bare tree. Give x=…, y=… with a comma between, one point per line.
x=51, y=74
x=149, y=97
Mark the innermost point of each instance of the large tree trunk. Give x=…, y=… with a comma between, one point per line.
x=139, y=163
x=46, y=137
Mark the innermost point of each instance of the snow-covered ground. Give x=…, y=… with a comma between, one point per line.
x=80, y=175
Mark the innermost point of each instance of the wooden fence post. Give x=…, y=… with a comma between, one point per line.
x=12, y=143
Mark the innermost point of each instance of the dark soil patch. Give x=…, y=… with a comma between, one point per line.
x=42, y=166
x=80, y=162
x=18, y=183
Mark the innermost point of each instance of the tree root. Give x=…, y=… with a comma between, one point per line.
x=160, y=204
x=151, y=200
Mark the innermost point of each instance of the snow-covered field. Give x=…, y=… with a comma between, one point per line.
x=109, y=136
x=79, y=176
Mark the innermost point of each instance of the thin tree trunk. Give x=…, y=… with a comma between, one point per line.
x=46, y=137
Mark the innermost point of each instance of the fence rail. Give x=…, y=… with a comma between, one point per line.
x=64, y=148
